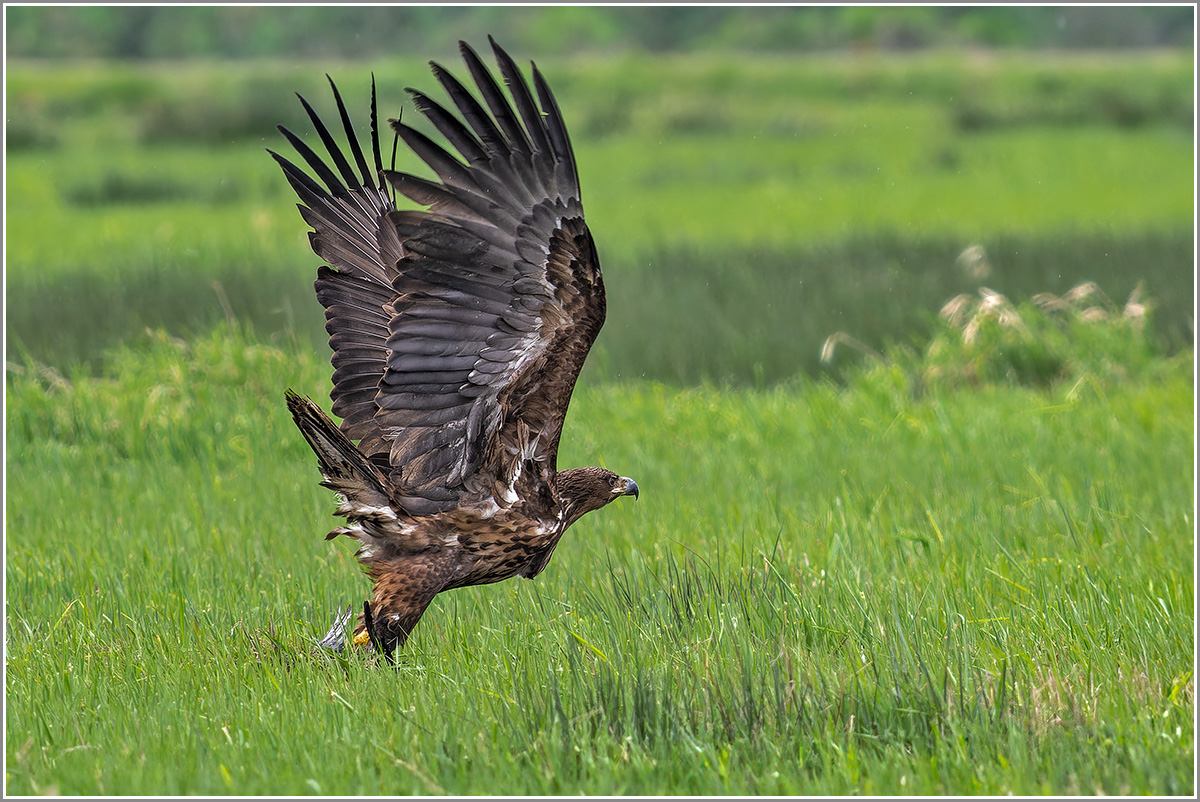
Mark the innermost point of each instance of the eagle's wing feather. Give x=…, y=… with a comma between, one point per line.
x=351, y=232
x=458, y=331
x=346, y=214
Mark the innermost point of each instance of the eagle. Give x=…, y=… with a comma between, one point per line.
x=458, y=330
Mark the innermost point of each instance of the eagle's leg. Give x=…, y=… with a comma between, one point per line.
x=378, y=637
x=388, y=633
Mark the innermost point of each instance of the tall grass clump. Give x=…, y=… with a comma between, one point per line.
x=1081, y=333
x=984, y=339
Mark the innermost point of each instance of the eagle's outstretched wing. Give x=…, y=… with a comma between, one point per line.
x=458, y=331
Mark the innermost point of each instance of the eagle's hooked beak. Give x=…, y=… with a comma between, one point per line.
x=629, y=486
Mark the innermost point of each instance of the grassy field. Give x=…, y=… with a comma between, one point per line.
x=876, y=588
x=966, y=566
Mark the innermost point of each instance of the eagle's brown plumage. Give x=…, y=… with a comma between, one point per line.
x=458, y=332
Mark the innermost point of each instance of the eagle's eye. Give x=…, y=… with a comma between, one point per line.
x=612, y=481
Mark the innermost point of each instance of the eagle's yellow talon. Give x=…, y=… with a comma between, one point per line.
x=362, y=637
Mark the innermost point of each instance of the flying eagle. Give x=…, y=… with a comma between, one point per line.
x=458, y=332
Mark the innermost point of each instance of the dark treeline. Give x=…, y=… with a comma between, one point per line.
x=167, y=32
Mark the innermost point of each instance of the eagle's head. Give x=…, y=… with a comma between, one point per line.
x=581, y=490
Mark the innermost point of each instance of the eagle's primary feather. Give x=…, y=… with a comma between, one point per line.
x=458, y=331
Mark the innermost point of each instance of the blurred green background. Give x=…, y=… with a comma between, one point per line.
x=757, y=178
x=358, y=32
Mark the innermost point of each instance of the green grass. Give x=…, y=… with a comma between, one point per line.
x=888, y=587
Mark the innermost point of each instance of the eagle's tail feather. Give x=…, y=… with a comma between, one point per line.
x=344, y=467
